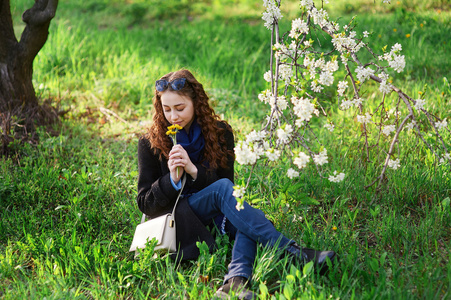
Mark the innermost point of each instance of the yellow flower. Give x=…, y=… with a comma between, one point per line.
x=421, y=25
x=334, y=228
x=357, y=82
x=172, y=130
x=408, y=35
x=379, y=35
x=394, y=29
x=420, y=92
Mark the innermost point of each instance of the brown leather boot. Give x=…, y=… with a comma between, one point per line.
x=235, y=286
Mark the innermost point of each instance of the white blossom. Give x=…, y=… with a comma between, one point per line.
x=306, y=3
x=342, y=86
x=284, y=135
x=297, y=218
x=272, y=13
x=255, y=136
x=320, y=63
x=267, y=76
x=319, y=16
x=326, y=78
x=272, y=154
x=321, y=158
x=364, y=119
x=364, y=73
x=384, y=76
x=291, y=173
x=281, y=51
x=336, y=177
x=298, y=27
x=343, y=58
x=346, y=104
x=344, y=43
x=394, y=59
x=388, y=129
x=285, y=72
x=244, y=154
x=394, y=164
x=411, y=125
x=282, y=103
x=302, y=160
x=309, y=62
x=385, y=87
x=264, y=96
x=239, y=191
x=331, y=66
x=396, y=48
x=357, y=101
x=398, y=62
x=441, y=125
x=316, y=88
x=446, y=157
x=329, y=127
x=303, y=108
x=365, y=34
x=419, y=104
x=394, y=112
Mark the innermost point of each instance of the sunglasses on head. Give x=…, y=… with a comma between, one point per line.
x=176, y=84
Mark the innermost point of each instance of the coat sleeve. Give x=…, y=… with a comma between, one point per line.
x=156, y=195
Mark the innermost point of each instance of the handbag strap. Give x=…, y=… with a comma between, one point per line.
x=144, y=217
x=180, y=193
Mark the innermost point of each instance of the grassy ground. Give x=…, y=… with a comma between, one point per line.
x=68, y=210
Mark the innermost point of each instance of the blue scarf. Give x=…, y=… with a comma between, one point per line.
x=193, y=141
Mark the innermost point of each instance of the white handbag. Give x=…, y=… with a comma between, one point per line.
x=161, y=228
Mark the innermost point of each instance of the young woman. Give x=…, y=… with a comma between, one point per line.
x=204, y=154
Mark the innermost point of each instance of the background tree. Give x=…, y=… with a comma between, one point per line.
x=18, y=102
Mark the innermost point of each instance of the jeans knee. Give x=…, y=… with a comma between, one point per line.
x=225, y=183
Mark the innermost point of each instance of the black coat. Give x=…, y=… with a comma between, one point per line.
x=157, y=196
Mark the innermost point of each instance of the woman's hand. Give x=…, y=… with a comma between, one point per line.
x=178, y=158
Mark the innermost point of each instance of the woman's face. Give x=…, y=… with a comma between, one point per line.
x=177, y=109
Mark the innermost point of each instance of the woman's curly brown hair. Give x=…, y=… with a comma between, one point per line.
x=216, y=151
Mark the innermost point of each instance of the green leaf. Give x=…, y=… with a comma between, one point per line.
x=382, y=260
x=288, y=291
x=263, y=291
x=308, y=268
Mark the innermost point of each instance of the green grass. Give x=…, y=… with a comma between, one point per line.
x=68, y=203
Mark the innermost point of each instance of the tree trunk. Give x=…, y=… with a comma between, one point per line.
x=17, y=93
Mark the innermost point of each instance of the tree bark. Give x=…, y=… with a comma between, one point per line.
x=17, y=93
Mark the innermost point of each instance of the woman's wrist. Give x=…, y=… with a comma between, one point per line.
x=193, y=173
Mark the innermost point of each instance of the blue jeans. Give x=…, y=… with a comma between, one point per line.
x=251, y=224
